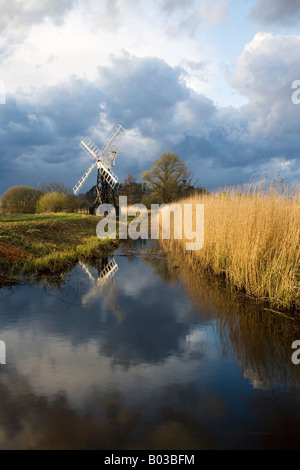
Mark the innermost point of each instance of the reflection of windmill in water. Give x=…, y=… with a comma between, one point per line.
x=104, y=284
x=104, y=160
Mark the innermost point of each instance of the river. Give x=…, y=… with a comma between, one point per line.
x=133, y=352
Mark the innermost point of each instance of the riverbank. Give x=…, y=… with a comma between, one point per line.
x=251, y=244
x=47, y=244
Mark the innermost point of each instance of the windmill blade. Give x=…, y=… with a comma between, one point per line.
x=87, y=271
x=82, y=180
x=108, y=174
x=115, y=136
x=94, y=152
x=108, y=272
x=90, y=148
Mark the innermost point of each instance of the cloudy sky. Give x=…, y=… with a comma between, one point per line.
x=209, y=80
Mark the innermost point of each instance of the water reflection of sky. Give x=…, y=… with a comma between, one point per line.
x=134, y=351
x=79, y=340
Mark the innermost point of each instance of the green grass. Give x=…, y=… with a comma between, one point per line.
x=53, y=263
x=53, y=243
x=91, y=246
x=39, y=217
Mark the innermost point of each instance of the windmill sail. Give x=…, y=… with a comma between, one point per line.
x=109, y=271
x=108, y=175
x=115, y=136
x=94, y=152
x=83, y=179
x=90, y=148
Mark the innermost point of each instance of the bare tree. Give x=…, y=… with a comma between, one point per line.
x=20, y=200
x=168, y=179
x=54, y=186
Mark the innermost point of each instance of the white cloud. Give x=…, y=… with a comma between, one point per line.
x=265, y=72
x=214, y=12
x=18, y=16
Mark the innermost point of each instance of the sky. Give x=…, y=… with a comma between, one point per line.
x=210, y=80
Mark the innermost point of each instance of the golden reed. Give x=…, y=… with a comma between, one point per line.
x=252, y=241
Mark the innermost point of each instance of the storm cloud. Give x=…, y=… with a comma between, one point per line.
x=138, y=89
x=151, y=99
x=276, y=12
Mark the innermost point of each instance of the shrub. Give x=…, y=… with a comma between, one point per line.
x=20, y=200
x=52, y=202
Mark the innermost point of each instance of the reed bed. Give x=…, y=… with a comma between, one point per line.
x=251, y=242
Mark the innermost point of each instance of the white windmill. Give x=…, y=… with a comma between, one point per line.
x=105, y=285
x=104, y=158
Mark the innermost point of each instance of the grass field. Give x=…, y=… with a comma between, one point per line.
x=47, y=244
x=251, y=242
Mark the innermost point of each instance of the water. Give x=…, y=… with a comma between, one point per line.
x=151, y=358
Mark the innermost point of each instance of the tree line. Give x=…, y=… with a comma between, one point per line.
x=168, y=180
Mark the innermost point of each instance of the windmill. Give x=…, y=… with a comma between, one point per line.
x=105, y=285
x=104, y=158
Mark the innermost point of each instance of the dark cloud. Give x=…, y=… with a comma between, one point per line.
x=40, y=132
x=138, y=89
x=276, y=12
x=64, y=110
x=171, y=5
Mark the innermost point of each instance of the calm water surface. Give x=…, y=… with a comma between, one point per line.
x=148, y=358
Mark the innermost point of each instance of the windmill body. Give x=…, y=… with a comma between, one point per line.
x=103, y=160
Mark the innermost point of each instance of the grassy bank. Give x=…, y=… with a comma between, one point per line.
x=252, y=243
x=47, y=244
